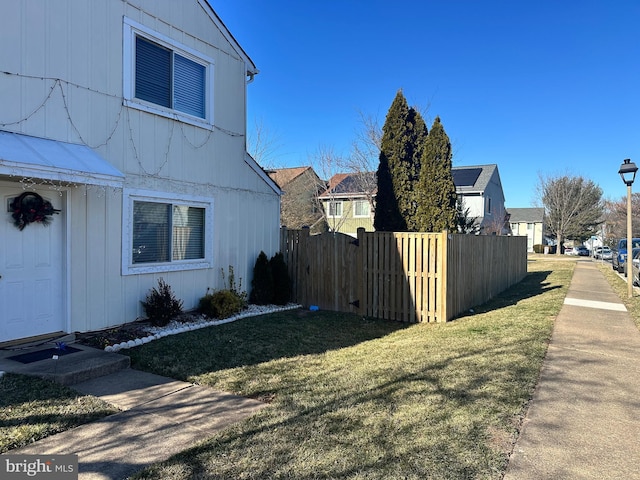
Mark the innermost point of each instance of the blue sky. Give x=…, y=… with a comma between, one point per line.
x=537, y=87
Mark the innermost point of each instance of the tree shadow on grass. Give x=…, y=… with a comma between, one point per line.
x=257, y=340
x=534, y=284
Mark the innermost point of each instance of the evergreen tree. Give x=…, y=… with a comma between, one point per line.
x=403, y=137
x=436, y=191
x=262, y=282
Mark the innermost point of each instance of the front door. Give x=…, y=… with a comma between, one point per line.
x=31, y=272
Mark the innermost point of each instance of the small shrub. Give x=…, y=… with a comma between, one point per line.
x=262, y=282
x=161, y=305
x=221, y=304
x=226, y=303
x=281, y=280
x=205, y=306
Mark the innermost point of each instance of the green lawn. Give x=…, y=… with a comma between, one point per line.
x=349, y=397
x=360, y=398
x=31, y=409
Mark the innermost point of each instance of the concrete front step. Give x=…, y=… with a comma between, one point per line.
x=68, y=369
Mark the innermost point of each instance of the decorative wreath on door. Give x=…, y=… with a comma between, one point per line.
x=30, y=207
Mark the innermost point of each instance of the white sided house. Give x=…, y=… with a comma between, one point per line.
x=480, y=188
x=129, y=118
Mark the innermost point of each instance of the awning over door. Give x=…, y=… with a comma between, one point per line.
x=35, y=157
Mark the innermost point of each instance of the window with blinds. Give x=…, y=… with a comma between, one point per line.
x=165, y=232
x=361, y=208
x=335, y=209
x=166, y=78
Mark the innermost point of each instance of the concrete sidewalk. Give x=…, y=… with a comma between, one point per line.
x=584, y=418
x=161, y=417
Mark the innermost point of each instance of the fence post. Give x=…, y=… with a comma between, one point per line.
x=442, y=268
x=361, y=276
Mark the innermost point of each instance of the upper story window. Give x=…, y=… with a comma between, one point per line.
x=360, y=208
x=167, y=78
x=335, y=209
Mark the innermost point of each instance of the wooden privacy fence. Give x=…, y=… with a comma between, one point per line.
x=410, y=277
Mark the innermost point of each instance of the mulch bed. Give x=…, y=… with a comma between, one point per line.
x=122, y=333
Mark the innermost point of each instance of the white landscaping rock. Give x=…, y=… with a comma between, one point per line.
x=174, y=327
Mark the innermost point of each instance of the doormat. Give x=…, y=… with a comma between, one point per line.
x=43, y=354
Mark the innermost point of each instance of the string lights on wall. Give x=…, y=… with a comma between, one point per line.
x=62, y=87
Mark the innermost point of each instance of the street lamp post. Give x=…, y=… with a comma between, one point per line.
x=627, y=172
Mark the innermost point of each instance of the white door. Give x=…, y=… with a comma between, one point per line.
x=31, y=272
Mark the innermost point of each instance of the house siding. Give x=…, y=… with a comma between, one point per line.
x=65, y=83
x=347, y=223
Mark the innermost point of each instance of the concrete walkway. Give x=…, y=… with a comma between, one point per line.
x=160, y=417
x=584, y=419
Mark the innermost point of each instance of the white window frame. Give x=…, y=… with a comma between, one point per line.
x=131, y=29
x=337, y=203
x=355, y=209
x=129, y=196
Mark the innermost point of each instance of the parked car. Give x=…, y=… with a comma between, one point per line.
x=569, y=251
x=635, y=266
x=603, y=253
x=581, y=250
x=635, y=253
x=620, y=253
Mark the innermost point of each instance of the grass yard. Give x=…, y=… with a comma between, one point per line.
x=358, y=398
x=31, y=409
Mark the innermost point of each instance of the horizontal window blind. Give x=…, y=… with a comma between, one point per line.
x=189, y=81
x=153, y=73
x=188, y=232
x=151, y=232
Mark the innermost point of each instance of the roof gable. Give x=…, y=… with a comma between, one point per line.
x=208, y=8
x=474, y=178
x=350, y=184
x=284, y=176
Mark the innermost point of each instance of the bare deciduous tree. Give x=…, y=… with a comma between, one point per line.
x=326, y=162
x=573, y=206
x=615, y=218
x=263, y=145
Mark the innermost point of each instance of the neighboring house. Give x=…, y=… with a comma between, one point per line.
x=349, y=202
x=299, y=205
x=129, y=117
x=349, y=206
x=480, y=189
x=528, y=222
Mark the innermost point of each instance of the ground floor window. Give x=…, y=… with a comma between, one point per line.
x=166, y=233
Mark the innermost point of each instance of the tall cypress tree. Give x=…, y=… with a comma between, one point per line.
x=435, y=190
x=403, y=136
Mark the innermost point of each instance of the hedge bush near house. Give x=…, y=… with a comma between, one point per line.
x=538, y=248
x=262, y=282
x=281, y=280
x=271, y=283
